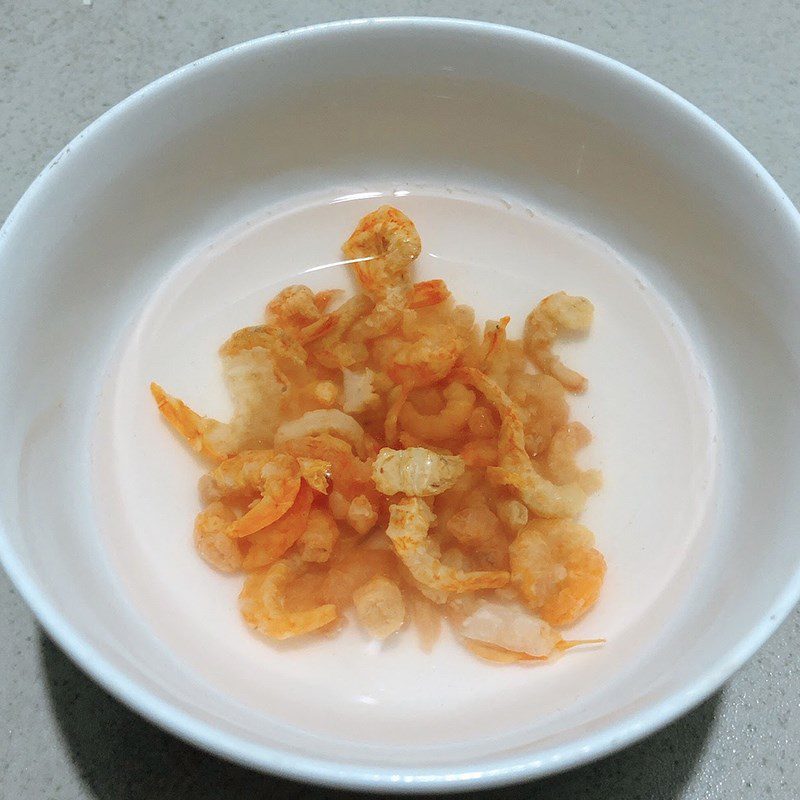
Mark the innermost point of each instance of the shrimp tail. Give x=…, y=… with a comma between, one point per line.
x=189, y=424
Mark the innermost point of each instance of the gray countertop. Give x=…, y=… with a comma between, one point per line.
x=64, y=62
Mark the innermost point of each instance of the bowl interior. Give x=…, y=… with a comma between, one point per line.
x=530, y=166
x=498, y=258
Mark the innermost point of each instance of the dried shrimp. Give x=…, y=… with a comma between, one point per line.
x=388, y=461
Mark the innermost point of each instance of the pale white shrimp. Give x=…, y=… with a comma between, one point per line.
x=415, y=471
x=261, y=603
x=510, y=628
x=379, y=607
x=358, y=391
x=253, y=361
x=516, y=468
x=559, y=311
x=361, y=515
x=409, y=522
x=259, y=391
x=323, y=420
x=211, y=541
x=275, y=476
x=383, y=247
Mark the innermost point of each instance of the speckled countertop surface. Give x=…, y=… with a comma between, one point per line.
x=64, y=62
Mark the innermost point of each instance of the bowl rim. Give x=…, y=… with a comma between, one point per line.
x=496, y=771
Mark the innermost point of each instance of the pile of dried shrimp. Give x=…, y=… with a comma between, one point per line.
x=385, y=456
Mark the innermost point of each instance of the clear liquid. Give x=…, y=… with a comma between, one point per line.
x=648, y=406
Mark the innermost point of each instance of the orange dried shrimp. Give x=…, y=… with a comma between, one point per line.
x=388, y=461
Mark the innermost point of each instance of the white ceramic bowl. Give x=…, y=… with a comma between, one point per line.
x=174, y=216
